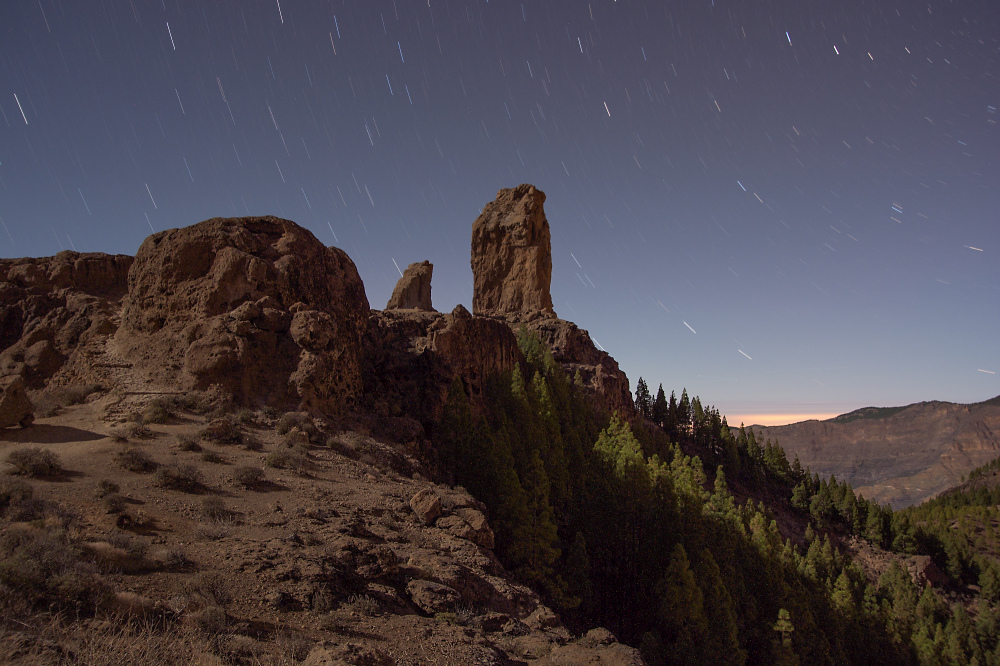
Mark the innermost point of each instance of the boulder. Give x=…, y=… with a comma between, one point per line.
x=432, y=597
x=15, y=407
x=413, y=291
x=427, y=505
x=512, y=255
x=255, y=308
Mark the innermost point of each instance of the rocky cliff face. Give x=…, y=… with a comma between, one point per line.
x=413, y=291
x=52, y=307
x=904, y=458
x=512, y=271
x=512, y=255
x=255, y=307
x=412, y=358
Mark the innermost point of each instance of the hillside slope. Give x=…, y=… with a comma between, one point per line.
x=898, y=455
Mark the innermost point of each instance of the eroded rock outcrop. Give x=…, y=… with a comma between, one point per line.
x=512, y=255
x=414, y=357
x=15, y=407
x=413, y=291
x=512, y=271
x=253, y=307
x=52, y=307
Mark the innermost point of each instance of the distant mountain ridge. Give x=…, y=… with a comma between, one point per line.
x=901, y=455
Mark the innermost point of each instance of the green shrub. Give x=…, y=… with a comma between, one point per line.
x=246, y=417
x=34, y=461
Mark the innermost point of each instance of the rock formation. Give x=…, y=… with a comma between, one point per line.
x=512, y=270
x=413, y=357
x=254, y=307
x=413, y=291
x=51, y=307
x=15, y=408
x=512, y=255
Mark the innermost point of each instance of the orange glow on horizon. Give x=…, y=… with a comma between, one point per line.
x=773, y=419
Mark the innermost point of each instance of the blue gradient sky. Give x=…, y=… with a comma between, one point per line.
x=787, y=206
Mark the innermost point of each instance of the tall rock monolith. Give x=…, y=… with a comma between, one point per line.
x=512, y=256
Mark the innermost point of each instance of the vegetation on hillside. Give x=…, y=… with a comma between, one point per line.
x=633, y=527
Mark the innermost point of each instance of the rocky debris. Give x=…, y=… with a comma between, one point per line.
x=255, y=308
x=52, y=308
x=427, y=505
x=15, y=407
x=432, y=597
x=512, y=255
x=330, y=654
x=923, y=571
x=413, y=291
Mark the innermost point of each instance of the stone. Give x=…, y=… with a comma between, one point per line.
x=512, y=255
x=427, y=505
x=543, y=618
x=15, y=407
x=413, y=291
x=312, y=330
x=252, y=308
x=432, y=597
x=483, y=534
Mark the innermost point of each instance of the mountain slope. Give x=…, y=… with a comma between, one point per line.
x=897, y=455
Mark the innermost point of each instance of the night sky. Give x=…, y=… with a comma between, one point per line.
x=786, y=206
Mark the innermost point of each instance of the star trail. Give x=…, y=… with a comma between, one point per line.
x=812, y=187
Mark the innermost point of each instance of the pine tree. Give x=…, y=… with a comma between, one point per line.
x=660, y=408
x=722, y=645
x=682, y=622
x=643, y=401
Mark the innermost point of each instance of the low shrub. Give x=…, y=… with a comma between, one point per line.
x=134, y=547
x=187, y=443
x=43, y=568
x=135, y=459
x=287, y=460
x=246, y=417
x=178, y=477
x=297, y=420
x=212, y=457
x=106, y=487
x=114, y=503
x=222, y=430
x=215, y=508
x=155, y=412
x=362, y=604
x=248, y=475
x=13, y=492
x=34, y=461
